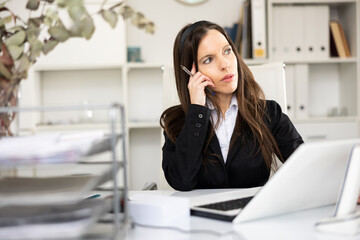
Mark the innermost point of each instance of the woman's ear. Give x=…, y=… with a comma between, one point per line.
x=193, y=69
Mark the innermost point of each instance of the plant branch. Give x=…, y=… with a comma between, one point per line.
x=103, y=4
x=43, y=9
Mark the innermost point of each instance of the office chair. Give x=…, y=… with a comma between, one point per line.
x=270, y=76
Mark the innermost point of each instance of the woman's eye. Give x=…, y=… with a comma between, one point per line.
x=228, y=51
x=208, y=60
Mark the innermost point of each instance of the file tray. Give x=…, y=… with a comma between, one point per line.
x=59, y=221
x=49, y=190
x=52, y=149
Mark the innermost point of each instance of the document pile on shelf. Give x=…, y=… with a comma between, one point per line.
x=47, y=148
x=45, y=190
x=49, y=207
x=49, y=221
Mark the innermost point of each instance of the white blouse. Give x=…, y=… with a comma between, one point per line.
x=226, y=126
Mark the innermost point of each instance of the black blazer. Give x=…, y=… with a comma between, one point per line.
x=182, y=161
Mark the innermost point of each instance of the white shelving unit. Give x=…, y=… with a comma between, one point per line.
x=323, y=93
x=137, y=86
x=82, y=72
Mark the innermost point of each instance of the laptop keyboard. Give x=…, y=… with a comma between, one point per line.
x=228, y=205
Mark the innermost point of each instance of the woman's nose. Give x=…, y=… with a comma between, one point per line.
x=224, y=64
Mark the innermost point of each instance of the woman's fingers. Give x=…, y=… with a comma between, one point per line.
x=199, y=76
x=200, y=80
x=197, y=84
x=193, y=69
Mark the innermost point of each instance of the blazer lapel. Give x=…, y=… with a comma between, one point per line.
x=233, y=151
x=214, y=145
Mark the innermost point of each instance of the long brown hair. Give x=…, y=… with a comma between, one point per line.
x=250, y=97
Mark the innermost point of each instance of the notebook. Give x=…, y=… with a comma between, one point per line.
x=311, y=177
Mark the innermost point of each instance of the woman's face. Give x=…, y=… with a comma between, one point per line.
x=217, y=60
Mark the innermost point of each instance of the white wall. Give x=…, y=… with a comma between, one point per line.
x=169, y=17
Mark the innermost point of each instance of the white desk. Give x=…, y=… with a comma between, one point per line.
x=299, y=225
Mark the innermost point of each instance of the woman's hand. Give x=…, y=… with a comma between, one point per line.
x=196, y=86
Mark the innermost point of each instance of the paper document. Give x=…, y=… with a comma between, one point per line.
x=37, y=191
x=47, y=148
x=49, y=221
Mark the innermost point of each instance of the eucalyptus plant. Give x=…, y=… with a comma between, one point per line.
x=23, y=40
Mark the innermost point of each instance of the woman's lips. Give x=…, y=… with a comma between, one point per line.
x=227, y=78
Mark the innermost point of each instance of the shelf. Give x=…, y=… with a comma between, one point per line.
x=311, y=1
x=150, y=124
x=73, y=127
x=326, y=119
x=64, y=67
x=143, y=65
x=304, y=61
x=255, y=61
x=323, y=61
x=79, y=67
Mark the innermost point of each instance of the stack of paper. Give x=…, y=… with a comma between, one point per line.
x=49, y=221
x=51, y=206
x=46, y=190
x=47, y=148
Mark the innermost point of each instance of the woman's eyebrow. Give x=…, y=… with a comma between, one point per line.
x=210, y=55
x=226, y=46
x=206, y=56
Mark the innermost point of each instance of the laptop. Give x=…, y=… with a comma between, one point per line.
x=311, y=177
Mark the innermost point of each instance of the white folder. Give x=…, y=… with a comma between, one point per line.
x=277, y=35
x=301, y=74
x=288, y=43
x=290, y=90
x=258, y=29
x=316, y=32
x=294, y=20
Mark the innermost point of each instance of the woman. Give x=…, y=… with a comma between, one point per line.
x=223, y=134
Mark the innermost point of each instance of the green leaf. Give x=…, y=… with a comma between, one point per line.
x=47, y=22
x=15, y=51
x=36, y=21
x=75, y=30
x=2, y=4
x=32, y=32
x=52, y=14
x=5, y=20
x=35, y=49
x=24, y=65
x=77, y=12
x=126, y=12
x=50, y=1
x=4, y=71
x=16, y=39
x=111, y=17
x=87, y=28
x=49, y=46
x=15, y=29
x=150, y=28
x=33, y=4
x=59, y=33
x=139, y=20
x=70, y=3
x=61, y=3
x=116, y=5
